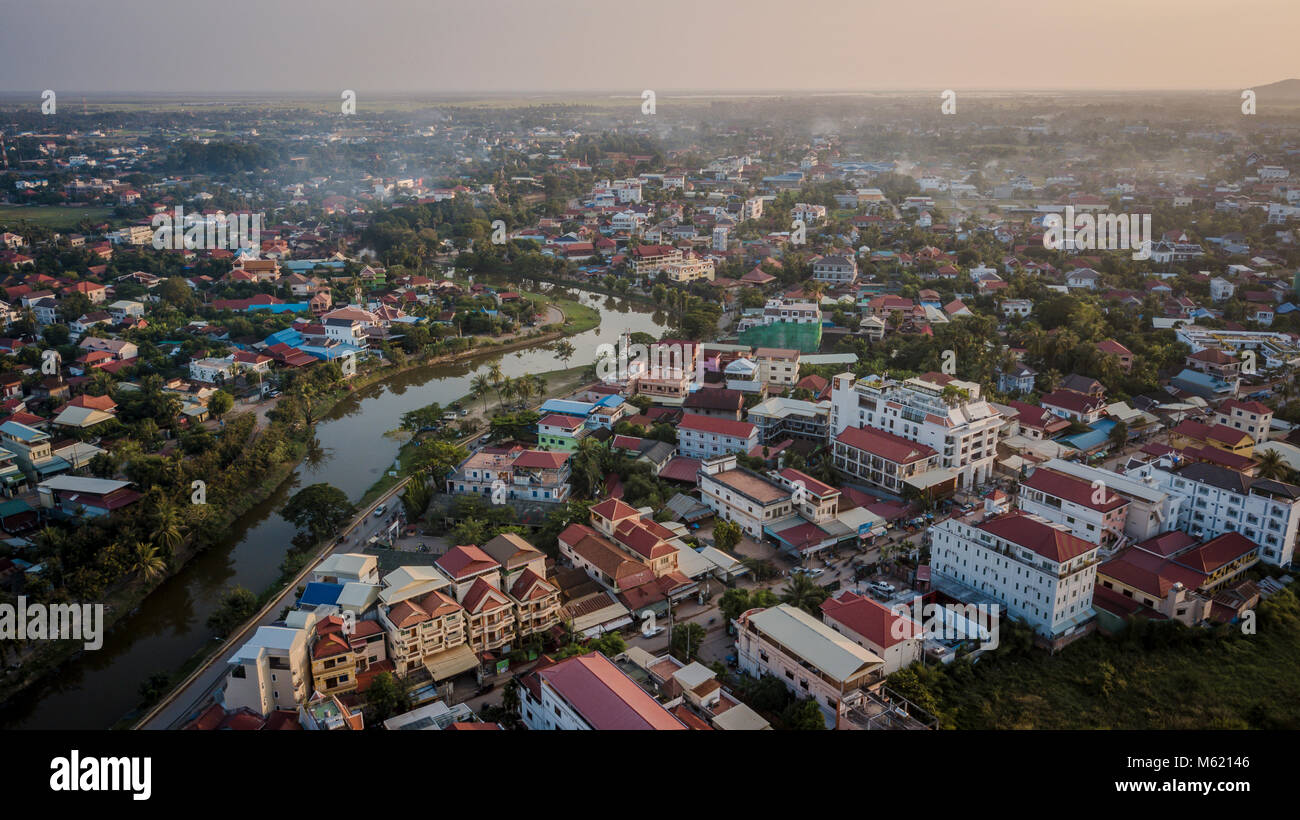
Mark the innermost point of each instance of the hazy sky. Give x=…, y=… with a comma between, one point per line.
x=376, y=46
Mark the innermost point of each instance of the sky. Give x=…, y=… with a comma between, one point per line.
x=621, y=46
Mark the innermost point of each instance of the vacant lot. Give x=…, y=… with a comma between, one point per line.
x=1151, y=679
x=50, y=216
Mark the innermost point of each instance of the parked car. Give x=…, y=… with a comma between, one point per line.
x=380, y=510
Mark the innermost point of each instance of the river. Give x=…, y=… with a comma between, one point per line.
x=97, y=689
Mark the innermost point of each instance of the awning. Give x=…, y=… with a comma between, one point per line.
x=931, y=478
x=451, y=663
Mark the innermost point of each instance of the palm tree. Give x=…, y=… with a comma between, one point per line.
x=1271, y=465
x=147, y=561
x=509, y=389
x=479, y=387
x=497, y=378
x=804, y=593
x=167, y=528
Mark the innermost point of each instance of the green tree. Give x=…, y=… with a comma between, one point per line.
x=386, y=697
x=804, y=593
x=726, y=534
x=219, y=403
x=319, y=509
x=804, y=715
x=238, y=605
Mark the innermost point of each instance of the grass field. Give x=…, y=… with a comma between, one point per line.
x=56, y=217
x=1156, y=679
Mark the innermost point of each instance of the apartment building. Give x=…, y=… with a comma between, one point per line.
x=1151, y=510
x=340, y=653
x=1218, y=500
x=743, y=496
x=426, y=628
x=836, y=269
x=705, y=436
x=1091, y=510
x=884, y=460
x=589, y=692
x=945, y=414
x=808, y=656
x=648, y=259
x=777, y=419
x=690, y=269
x=1035, y=570
x=271, y=671
x=777, y=367
x=1250, y=417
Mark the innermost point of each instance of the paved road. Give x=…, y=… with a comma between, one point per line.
x=197, y=692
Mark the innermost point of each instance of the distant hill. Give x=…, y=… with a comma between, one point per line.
x=1287, y=89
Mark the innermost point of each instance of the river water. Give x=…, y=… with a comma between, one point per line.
x=99, y=688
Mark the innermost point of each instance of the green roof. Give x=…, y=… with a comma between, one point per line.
x=14, y=506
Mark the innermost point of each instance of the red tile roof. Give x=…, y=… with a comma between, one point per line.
x=870, y=619
x=463, y=561
x=1049, y=542
x=1073, y=489
x=605, y=697
x=887, y=445
x=716, y=426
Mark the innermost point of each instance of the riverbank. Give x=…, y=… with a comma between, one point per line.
x=559, y=383
x=124, y=601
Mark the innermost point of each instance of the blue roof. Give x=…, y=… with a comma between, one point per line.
x=565, y=407
x=288, y=336
x=1098, y=436
x=318, y=592
x=610, y=401
x=327, y=354
x=306, y=265
x=287, y=307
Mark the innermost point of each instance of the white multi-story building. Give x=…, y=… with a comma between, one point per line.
x=943, y=413
x=808, y=213
x=1219, y=500
x=270, y=671
x=779, y=310
x=1091, y=510
x=1151, y=510
x=706, y=436
x=837, y=269
x=1037, y=571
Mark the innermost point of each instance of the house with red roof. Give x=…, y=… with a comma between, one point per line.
x=1250, y=417
x=893, y=636
x=589, y=692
